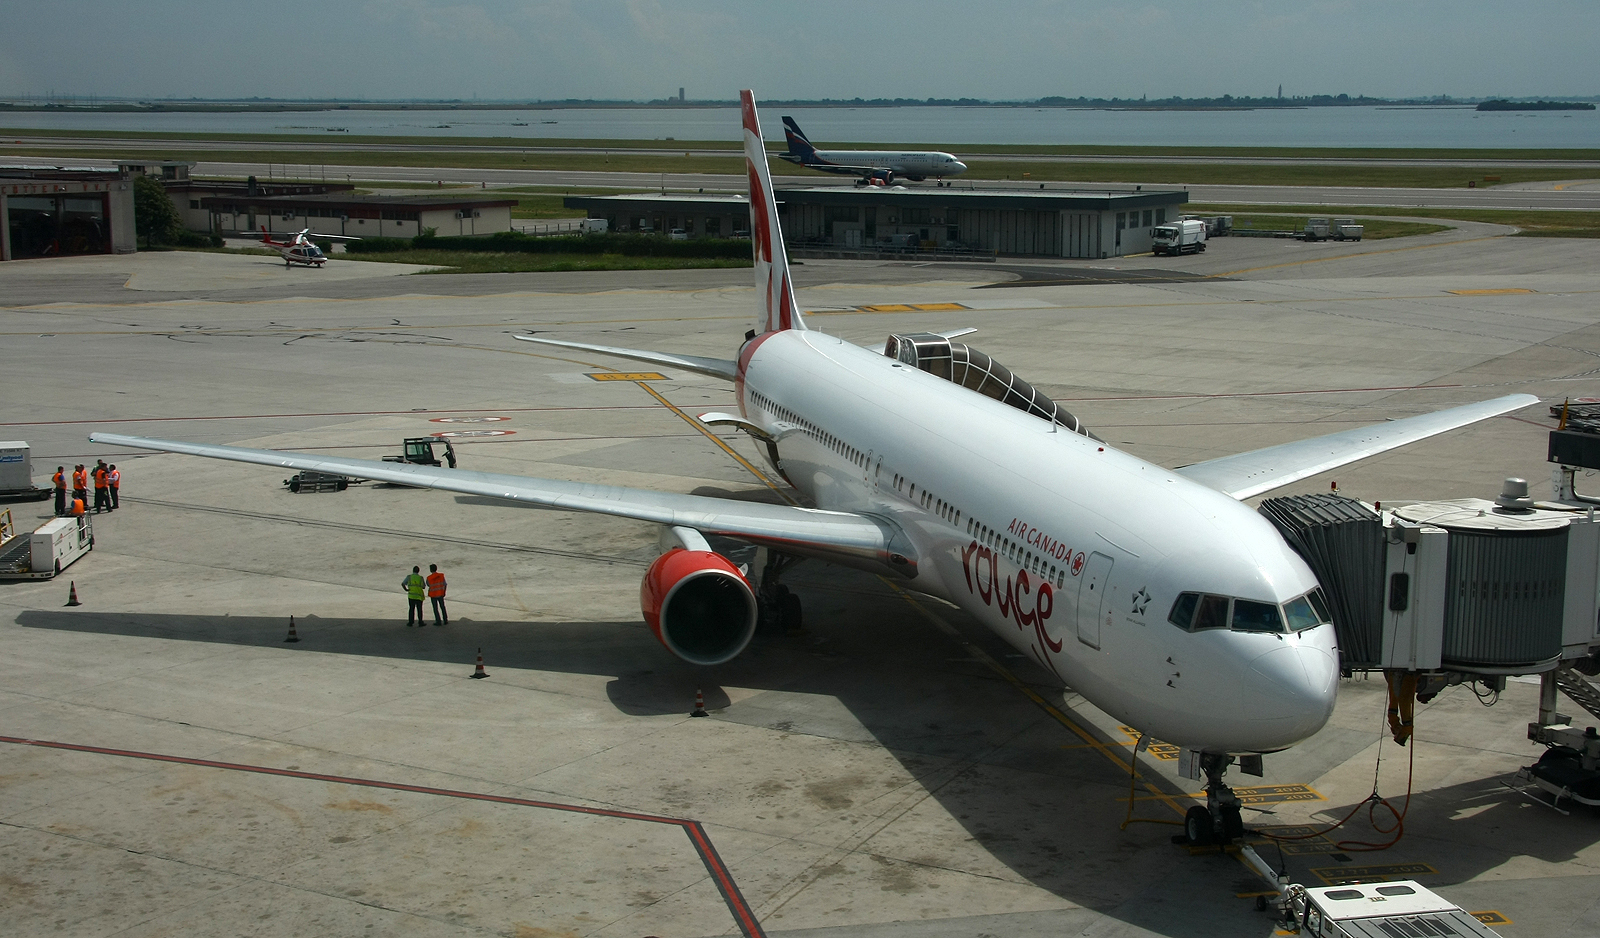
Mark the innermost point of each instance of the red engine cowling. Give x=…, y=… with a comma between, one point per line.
x=699, y=605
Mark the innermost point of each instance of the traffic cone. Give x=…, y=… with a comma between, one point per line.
x=699, y=704
x=72, y=593
x=292, y=637
x=479, y=672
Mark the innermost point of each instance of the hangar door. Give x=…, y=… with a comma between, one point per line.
x=54, y=225
x=1081, y=232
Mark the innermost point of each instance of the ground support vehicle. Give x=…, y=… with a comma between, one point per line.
x=1180, y=237
x=16, y=474
x=47, y=551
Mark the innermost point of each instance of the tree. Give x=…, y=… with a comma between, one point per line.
x=154, y=215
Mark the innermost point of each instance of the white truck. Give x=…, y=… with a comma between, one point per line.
x=47, y=551
x=1179, y=237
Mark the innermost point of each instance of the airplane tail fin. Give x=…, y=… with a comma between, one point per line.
x=776, y=310
x=799, y=145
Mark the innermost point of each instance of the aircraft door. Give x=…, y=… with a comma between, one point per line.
x=1093, y=584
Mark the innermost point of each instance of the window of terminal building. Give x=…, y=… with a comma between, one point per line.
x=713, y=227
x=194, y=203
x=1149, y=217
x=1122, y=221
x=1161, y=216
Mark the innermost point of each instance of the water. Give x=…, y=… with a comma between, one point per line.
x=946, y=127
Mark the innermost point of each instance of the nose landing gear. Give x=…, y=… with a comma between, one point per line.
x=1218, y=820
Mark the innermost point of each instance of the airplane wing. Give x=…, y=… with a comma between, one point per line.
x=714, y=367
x=861, y=540
x=1262, y=470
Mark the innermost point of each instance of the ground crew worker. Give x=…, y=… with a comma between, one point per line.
x=60, y=479
x=414, y=586
x=102, y=497
x=114, y=480
x=80, y=483
x=77, y=507
x=436, y=594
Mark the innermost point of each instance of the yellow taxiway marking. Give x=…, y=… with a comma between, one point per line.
x=1343, y=257
x=911, y=307
x=1490, y=917
x=721, y=444
x=1503, y=292
x=1340, y=875
x=627, y=376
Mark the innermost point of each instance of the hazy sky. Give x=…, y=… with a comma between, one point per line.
x=641, y=49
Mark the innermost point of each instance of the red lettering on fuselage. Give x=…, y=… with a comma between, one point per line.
x=981, y=565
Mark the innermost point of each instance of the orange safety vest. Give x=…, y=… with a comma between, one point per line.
x=115, y=478
x=436, y=585
x=60, y=480
x=80, y=479
x=99, y=478
x=77, y=506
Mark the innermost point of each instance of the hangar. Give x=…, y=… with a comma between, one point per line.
x=49, y=210
x=363, y=216
x=1039, y=223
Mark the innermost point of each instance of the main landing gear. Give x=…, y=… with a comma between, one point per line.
x=1218, y=820
x=777, y=607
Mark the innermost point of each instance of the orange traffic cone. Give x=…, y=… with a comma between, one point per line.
x=292, y=637
x=699, y=704
x=479, y=672
x=72, y=593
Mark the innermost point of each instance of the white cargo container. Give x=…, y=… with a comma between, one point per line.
x=16, y=472
x=1179, y=237
x=594, y=226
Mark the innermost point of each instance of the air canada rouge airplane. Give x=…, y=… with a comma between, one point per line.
x=1157, y=594
x=875, y=167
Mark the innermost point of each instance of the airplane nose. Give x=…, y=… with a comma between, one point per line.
x=1301, y=682
x=960, y=166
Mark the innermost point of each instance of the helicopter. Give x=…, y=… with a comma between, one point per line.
x=297, y=248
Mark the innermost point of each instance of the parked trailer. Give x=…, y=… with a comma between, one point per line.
x=1179, y=237
x=16, y=474
x=47, y=551
x=1332, y=229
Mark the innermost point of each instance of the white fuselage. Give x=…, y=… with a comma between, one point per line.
x=900, y=162
x=1069, y=550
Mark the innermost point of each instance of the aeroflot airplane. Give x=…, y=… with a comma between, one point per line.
x=1156, y=594
x=875, y=167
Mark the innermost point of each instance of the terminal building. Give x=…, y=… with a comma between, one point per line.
x=868, y=220
x=51, y=210
x=361, y=216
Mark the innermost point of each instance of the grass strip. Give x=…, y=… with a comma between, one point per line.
x=1374, y=229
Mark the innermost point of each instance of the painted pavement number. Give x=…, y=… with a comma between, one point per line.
x=1490, y=917
x=627, y=376
x=1341, y=875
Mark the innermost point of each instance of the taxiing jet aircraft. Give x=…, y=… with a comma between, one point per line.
x=297, y=248
x=875, y=167
x=1156, y=594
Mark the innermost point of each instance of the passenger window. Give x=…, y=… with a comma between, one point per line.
x=1251, y=616
x=1213, y=613
x=1300, y=614
x=1182, y=614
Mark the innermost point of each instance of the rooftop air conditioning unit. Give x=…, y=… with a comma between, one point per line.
x=476, y=214
x=461, y=214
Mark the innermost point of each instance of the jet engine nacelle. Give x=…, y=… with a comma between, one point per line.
x=699, y=605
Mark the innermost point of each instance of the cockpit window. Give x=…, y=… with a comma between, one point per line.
x=1251, y=616
x=1320, y=605
x=1300, y=614
x=1213, y=613
x=1182, y=613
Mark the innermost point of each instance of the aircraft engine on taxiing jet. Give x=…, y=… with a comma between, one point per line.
x=699, y=605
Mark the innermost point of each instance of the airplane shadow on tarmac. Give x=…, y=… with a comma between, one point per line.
x=869, y=669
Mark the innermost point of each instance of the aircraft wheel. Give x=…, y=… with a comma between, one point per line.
x=1197, y=826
